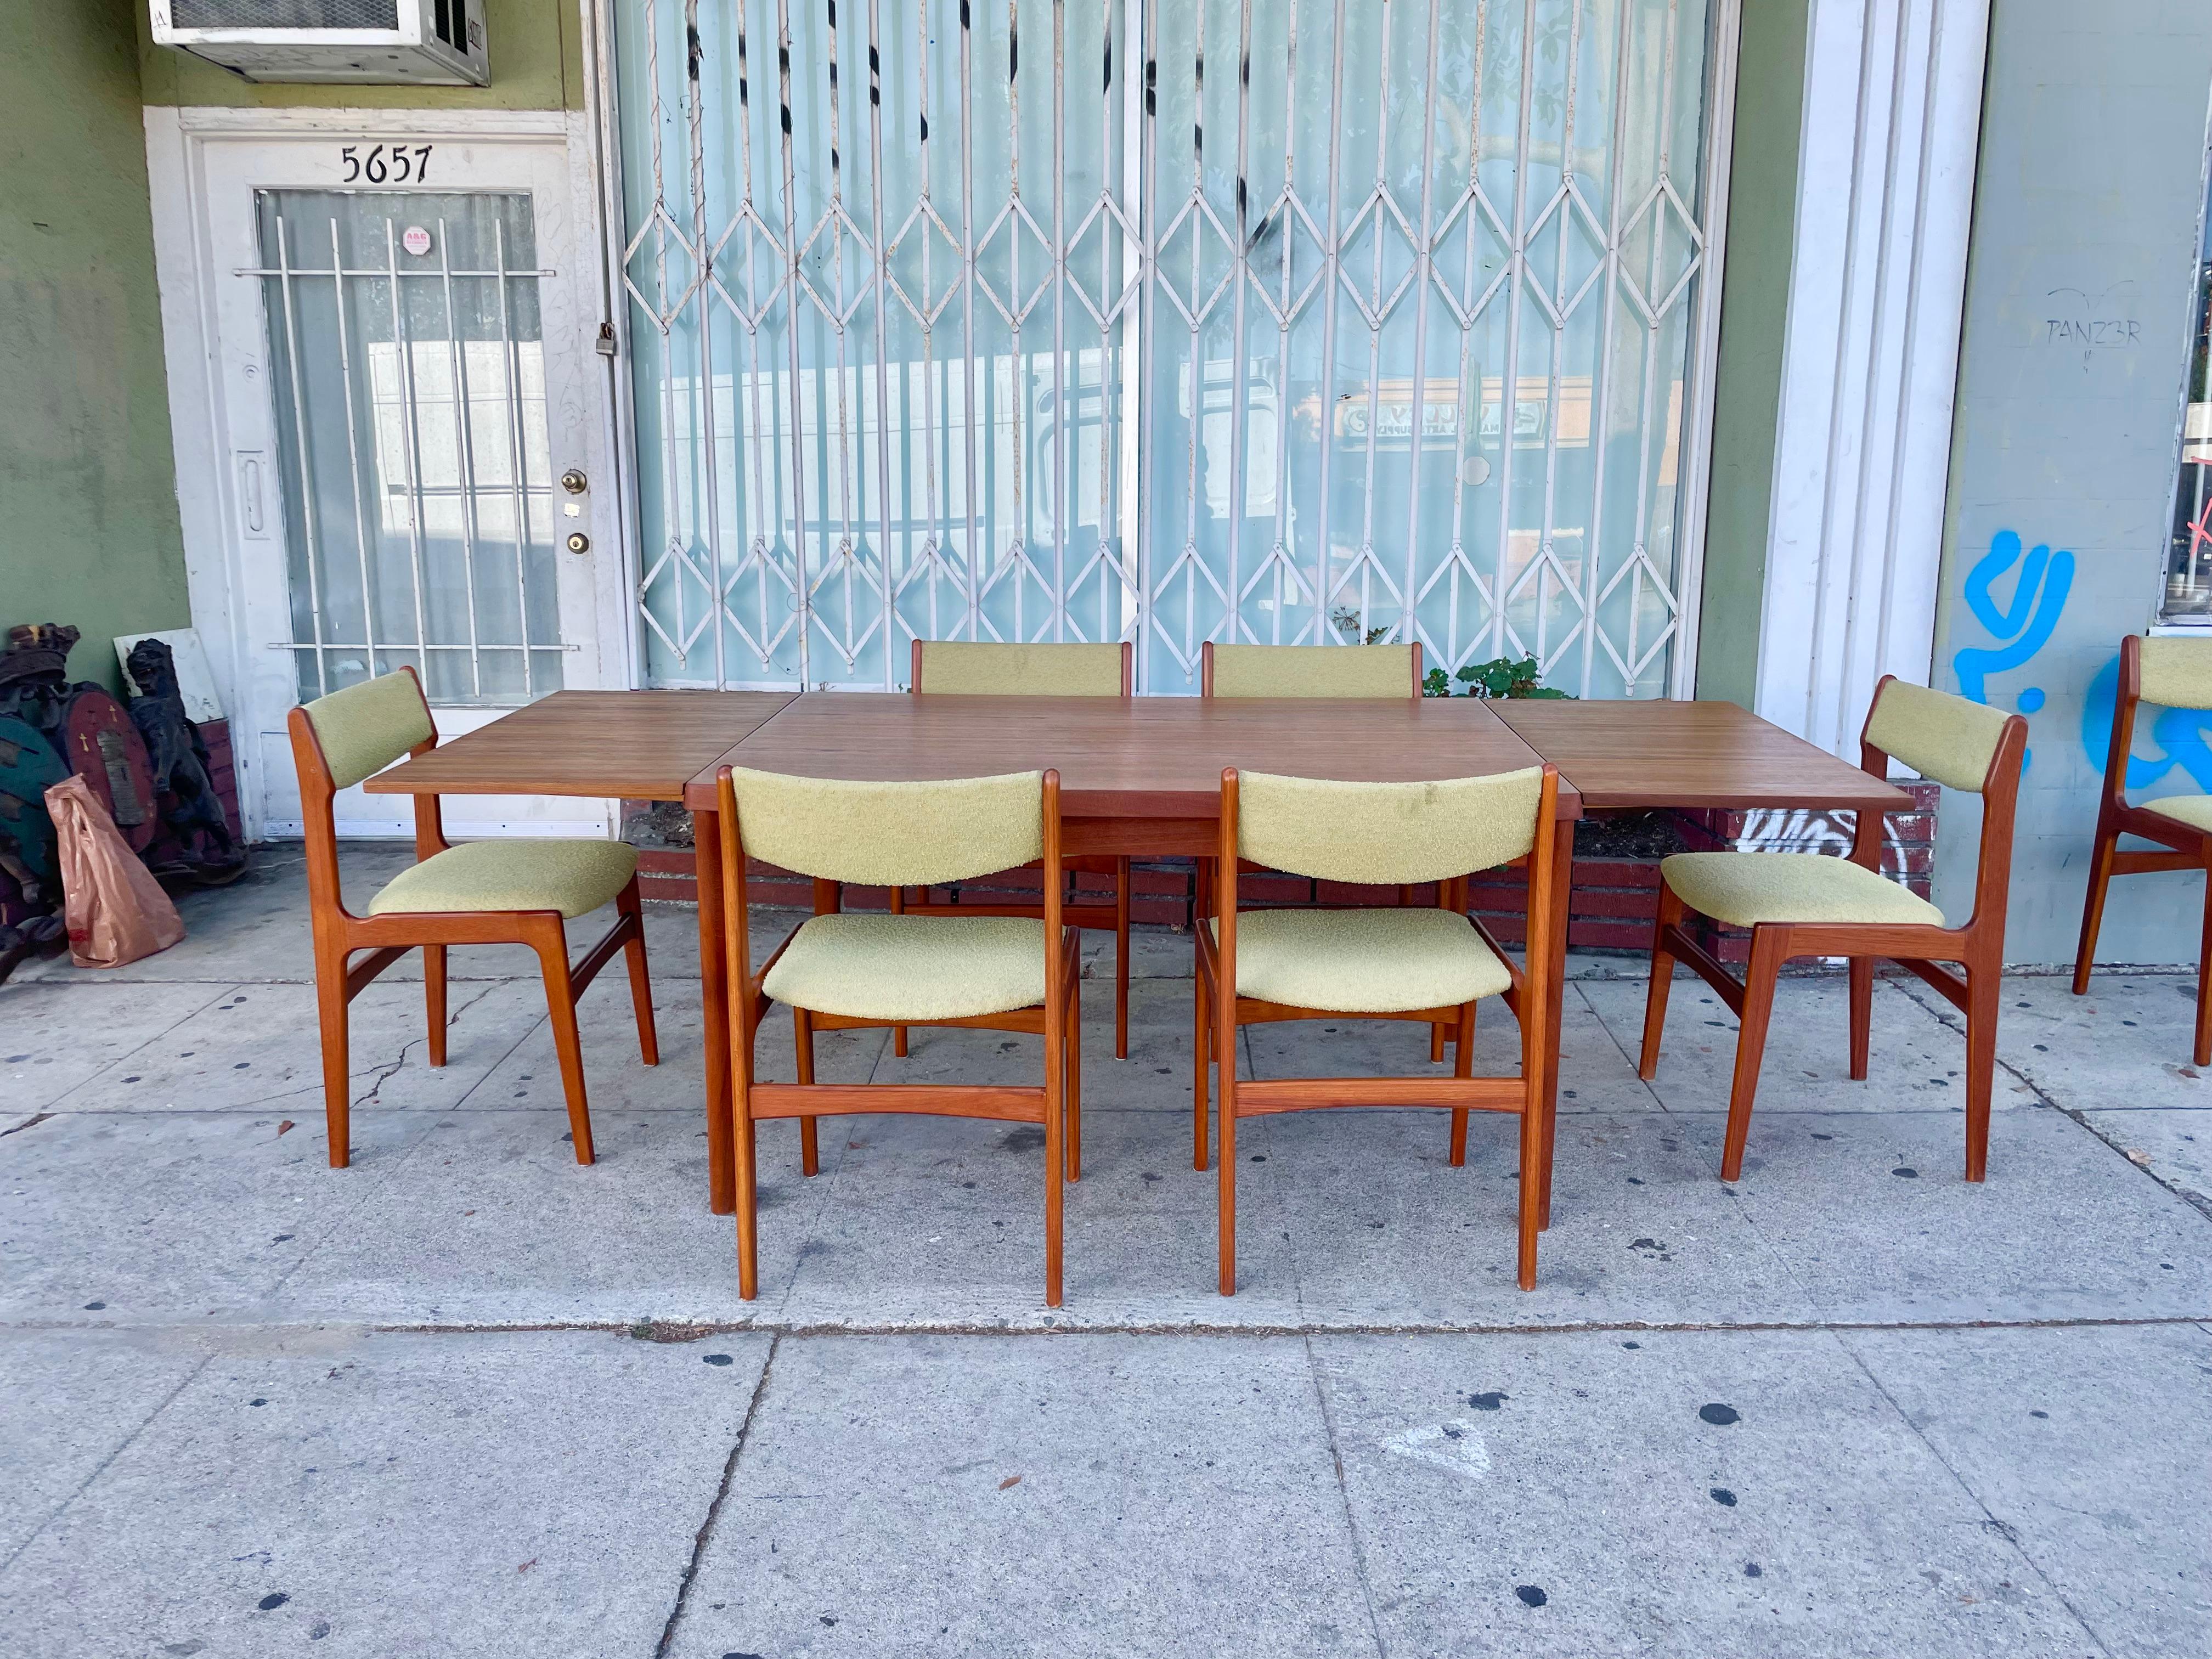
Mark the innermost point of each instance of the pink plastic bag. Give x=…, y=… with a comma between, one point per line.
x=115, y=909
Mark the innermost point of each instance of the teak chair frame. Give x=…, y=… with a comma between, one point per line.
x=1057, y=1106
x=2182, y=846
x=1977, y=946
x=1219, y=1016
x=338, y=934
x=1074, y=913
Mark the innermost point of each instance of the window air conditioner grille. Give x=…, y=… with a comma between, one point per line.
x=284, y=13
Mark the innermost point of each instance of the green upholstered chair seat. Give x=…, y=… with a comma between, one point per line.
x=1747, y=889
x=1365, y=962
x=573, y=877
x=911, y=968
x=2195, y=811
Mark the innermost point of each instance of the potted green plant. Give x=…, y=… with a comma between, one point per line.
x=1501, y=676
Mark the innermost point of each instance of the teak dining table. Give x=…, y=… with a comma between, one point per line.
x=1140, y=777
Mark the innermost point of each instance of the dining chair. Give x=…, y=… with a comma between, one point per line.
x=2175, y=674
x=517, y=890
x=837, y=971
x=965, y=668
x=1431, y=965
x=1314, y=671
x=1809, y=904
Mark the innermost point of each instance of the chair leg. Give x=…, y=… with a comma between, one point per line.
x=1862, y=1015
x=433, y=998
x=1057, y=1154
x=337, y=1087
x=1535, y=1155
x=1121, y=958
x=802, y=1039
x=1983, y=992
x=898, y=1032
x=1202, y=1056
x=2092, y=902
x=1462, y=1065
x=1225, y=1180
x=748, y=1196
x=552, y=947
x=640, y=985
x=1671, y=911
x=2205, y=984
x=1765, y=968
x=1074, y=1112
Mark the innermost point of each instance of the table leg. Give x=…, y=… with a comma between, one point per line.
x=714, y=995
x=1563, y=882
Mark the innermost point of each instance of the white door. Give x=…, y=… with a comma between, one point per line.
x=413, y=437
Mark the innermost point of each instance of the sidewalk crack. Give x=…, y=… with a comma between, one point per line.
x=1999, y=1528
x=128, y=1440
x=1343, y=1496
x=384, y=1074
x=714, y=1508
x=1643, y=1082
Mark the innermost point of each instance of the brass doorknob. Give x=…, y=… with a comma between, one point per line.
x=579, y=541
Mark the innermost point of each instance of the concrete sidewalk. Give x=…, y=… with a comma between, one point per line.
x=467, y=1398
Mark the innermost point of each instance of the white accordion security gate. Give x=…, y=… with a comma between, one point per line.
x=1335, y=320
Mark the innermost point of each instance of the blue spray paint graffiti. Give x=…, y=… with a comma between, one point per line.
x=2023, y=626
x=2180, y=733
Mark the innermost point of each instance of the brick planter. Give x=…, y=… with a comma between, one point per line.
x=1616, y=890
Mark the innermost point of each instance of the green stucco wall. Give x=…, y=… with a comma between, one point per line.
x=1769, y=92
x=537, y=63
x=88, y=532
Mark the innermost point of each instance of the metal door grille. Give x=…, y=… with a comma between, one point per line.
x=408, y=373
x=1340, y=319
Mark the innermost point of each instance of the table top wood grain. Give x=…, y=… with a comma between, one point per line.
x=1140, y=758
x=633, y=746
x=1691, y=754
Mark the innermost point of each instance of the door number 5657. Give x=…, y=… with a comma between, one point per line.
x=386, y=164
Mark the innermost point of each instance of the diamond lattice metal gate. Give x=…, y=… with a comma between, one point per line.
x=1337, y=319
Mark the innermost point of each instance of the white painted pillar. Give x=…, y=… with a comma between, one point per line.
x=1870, y=353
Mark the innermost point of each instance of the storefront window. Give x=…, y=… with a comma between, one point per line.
x=2189, y=554
x=1393, y=331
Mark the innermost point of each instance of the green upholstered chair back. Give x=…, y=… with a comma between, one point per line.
x=966, y=669
x=366, y=727
x=1313, y=671
x=2177, y=673
x=1937, y=735
x=891, y=835
x=1387, y=834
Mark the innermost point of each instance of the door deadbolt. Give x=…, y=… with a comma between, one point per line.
x=579, y=541
x=575, y=482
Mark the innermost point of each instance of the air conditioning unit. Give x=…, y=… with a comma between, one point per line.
x=437, y=43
